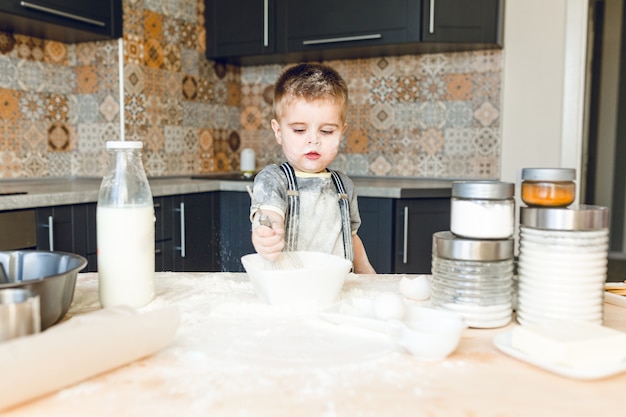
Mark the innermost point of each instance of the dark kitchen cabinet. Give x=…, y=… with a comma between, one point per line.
x=284, y=31
x=240, y=27
x=67, y=21
x=235, y=238
x=462, y=21
x=68, y=228
x=327, y=24
x=397, y=233
x=163, y=234
x=195, y=228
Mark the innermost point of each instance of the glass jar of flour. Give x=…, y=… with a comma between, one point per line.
x=482, y=209
x=473, y=277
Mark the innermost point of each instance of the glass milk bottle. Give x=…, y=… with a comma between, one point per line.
x=125, y=229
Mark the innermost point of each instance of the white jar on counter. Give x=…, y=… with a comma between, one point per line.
x=562, y=264
x=482, y=209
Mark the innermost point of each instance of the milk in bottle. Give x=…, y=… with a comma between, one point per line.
x=125, y=229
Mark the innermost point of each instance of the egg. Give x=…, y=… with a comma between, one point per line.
x=417, y=288
x=388, y=305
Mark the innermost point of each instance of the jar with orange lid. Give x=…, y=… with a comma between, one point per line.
x=548, y=187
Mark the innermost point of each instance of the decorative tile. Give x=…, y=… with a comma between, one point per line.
x=459, y=114
x=33, y=138
x=59, y=137
x=55, y=53
x=86, y=79
x=171, y=8
x=170, y=30
x=155, y=83
x=433, y=115
x=110, y=108
x=133, y=20
x=173, y=140
x=59, y=164
x=190, y=88
x=34, y=164
x=134, y=109
x=10, y=165
x=133, y=49
x=431, y=141
x=251, y=118
x=10, y=135
x=59, y=79
x=155, y=164
x=9, y=104
x=382, y=116
x=171, y=58
x=153, y=54
x=433, y=88
x=91, y=138
x=380, y=166
x=155, y=139
x=383, y=90
x=8, y=72
x=134, y=79
x=486, y=114
x=189, y=35
x=485, y=141
x=152, y=25
x=30, y=76
x=190, y=139
x=29, y=48
x=459, y=87
x=86, y=53
x=357, y=141
x=57, y=108
x=7, y=42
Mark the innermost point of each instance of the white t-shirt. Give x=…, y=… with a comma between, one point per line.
x=320, y=217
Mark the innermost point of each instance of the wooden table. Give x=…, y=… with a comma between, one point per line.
x=235, y=356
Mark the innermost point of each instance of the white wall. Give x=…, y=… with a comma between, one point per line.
x=543, y=85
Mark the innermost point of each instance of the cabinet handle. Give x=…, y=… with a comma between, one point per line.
x=431, y=20
x=157, y=205
x=51, y=232
x=56, y=12
x=182, y=230
x=157, y=251
x=405, y=243
x=265, y=23
x=342, y=39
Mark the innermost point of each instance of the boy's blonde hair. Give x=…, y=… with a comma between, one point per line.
x=310, y=81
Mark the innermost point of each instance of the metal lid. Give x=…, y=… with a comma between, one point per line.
x=583, y=217
x=124, y=144
x=548, y=174
x=490, y=190
x=449, y=246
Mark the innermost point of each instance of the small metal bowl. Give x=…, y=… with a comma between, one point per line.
x=50, y=275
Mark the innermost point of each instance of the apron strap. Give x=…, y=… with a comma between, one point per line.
x=344, y=208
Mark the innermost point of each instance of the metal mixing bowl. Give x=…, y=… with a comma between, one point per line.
x=51, y=275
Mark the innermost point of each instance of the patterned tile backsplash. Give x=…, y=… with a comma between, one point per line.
x=435, y=115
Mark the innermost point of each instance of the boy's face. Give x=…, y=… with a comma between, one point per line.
x=310, y=133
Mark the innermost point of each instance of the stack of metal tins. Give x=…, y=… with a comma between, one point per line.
x=563, y=251
x=472, y=264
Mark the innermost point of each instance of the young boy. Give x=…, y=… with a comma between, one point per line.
x=310, y=207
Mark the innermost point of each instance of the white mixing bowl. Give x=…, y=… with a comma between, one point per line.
x=316, y=281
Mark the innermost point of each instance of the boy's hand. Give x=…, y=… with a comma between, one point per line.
x=268, y=241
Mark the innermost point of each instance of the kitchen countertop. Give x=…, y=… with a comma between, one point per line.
x=235, y=356
x=42, y=192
